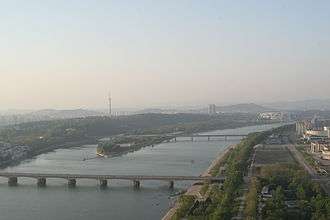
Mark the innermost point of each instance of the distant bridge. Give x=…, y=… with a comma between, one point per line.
x=193, y=137
x=103, y=179
x=209, y=136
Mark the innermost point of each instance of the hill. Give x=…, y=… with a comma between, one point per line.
x=18, y=117
x=65, y=114
x=313, y=104
x=243, y=108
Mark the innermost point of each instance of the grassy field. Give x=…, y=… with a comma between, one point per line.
x=273, y=154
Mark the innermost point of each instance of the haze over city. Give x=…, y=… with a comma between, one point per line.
x=70, y=54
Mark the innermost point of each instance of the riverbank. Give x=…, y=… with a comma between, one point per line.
x=195, y=190
x=43, y=137
x=173, y=158
x=32, y=154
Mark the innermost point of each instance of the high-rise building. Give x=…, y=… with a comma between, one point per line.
x=212, y=109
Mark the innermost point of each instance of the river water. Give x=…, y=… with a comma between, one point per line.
x=119, y=201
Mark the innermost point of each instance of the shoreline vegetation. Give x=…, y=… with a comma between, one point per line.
x=32, y=154
x=218, y=201
x=45, y=136
x=292, y=194
x=200, y=190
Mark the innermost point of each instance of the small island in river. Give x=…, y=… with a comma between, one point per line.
x=123, y=144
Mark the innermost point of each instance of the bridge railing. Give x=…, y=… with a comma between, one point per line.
x=41, y=178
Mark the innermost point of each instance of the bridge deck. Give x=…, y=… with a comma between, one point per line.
x=190, y=135
x=213, y=135
x=108, y=177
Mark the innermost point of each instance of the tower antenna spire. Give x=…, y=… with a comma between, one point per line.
x=110, y=104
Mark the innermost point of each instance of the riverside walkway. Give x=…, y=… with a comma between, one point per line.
x=41, y=178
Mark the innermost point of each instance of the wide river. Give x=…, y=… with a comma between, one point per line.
x=119, y=201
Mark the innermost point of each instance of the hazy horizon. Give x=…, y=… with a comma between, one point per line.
x=70, y=54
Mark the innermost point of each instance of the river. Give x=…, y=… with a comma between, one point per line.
x=119, y=201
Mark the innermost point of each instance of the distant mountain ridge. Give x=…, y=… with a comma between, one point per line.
x=237, y=108
x=156, y=111
x=46, y=115
x=63, y=114
x=243, y=108
x=18, y=116
x=302, y=105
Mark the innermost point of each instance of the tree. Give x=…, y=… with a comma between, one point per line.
x=275, y=207
x=252, y=201
x=301, y=195
x=321, y=206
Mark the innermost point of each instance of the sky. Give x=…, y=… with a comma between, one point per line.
x=70, y=53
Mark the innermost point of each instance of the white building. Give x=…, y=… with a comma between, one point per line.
x=322, y=148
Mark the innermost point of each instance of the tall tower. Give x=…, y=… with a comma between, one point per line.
x=110, y=105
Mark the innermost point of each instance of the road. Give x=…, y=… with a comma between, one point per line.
x=301, y=160
x=324, y=181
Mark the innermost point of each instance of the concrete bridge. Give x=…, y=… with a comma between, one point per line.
x=192, y=137
x=209, y=136
x=103, y=179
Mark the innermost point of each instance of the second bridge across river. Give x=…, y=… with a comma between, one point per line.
x=103, y=179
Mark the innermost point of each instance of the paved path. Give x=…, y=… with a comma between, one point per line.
x=301, y=160
x=324, y=181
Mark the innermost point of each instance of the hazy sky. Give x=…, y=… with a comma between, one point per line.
x=70, y=53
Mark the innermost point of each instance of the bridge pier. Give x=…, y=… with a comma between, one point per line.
x=208, y=138
x=103, y=179
x=103, y=183
x=171, y=184
x=136, y=184
x=41, y=182
x=226, y=137
x=72, y=182
x=192, y=139
x=12, y=181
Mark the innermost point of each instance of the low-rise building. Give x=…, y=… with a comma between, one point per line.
x=316, y=134
x=266, y=192
x=319, y=133
x=326, y=153
x=274, y=116
x=316, y=147
x=322, y=148
x=314, y=127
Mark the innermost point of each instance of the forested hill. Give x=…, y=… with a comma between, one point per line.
x=105, y=126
